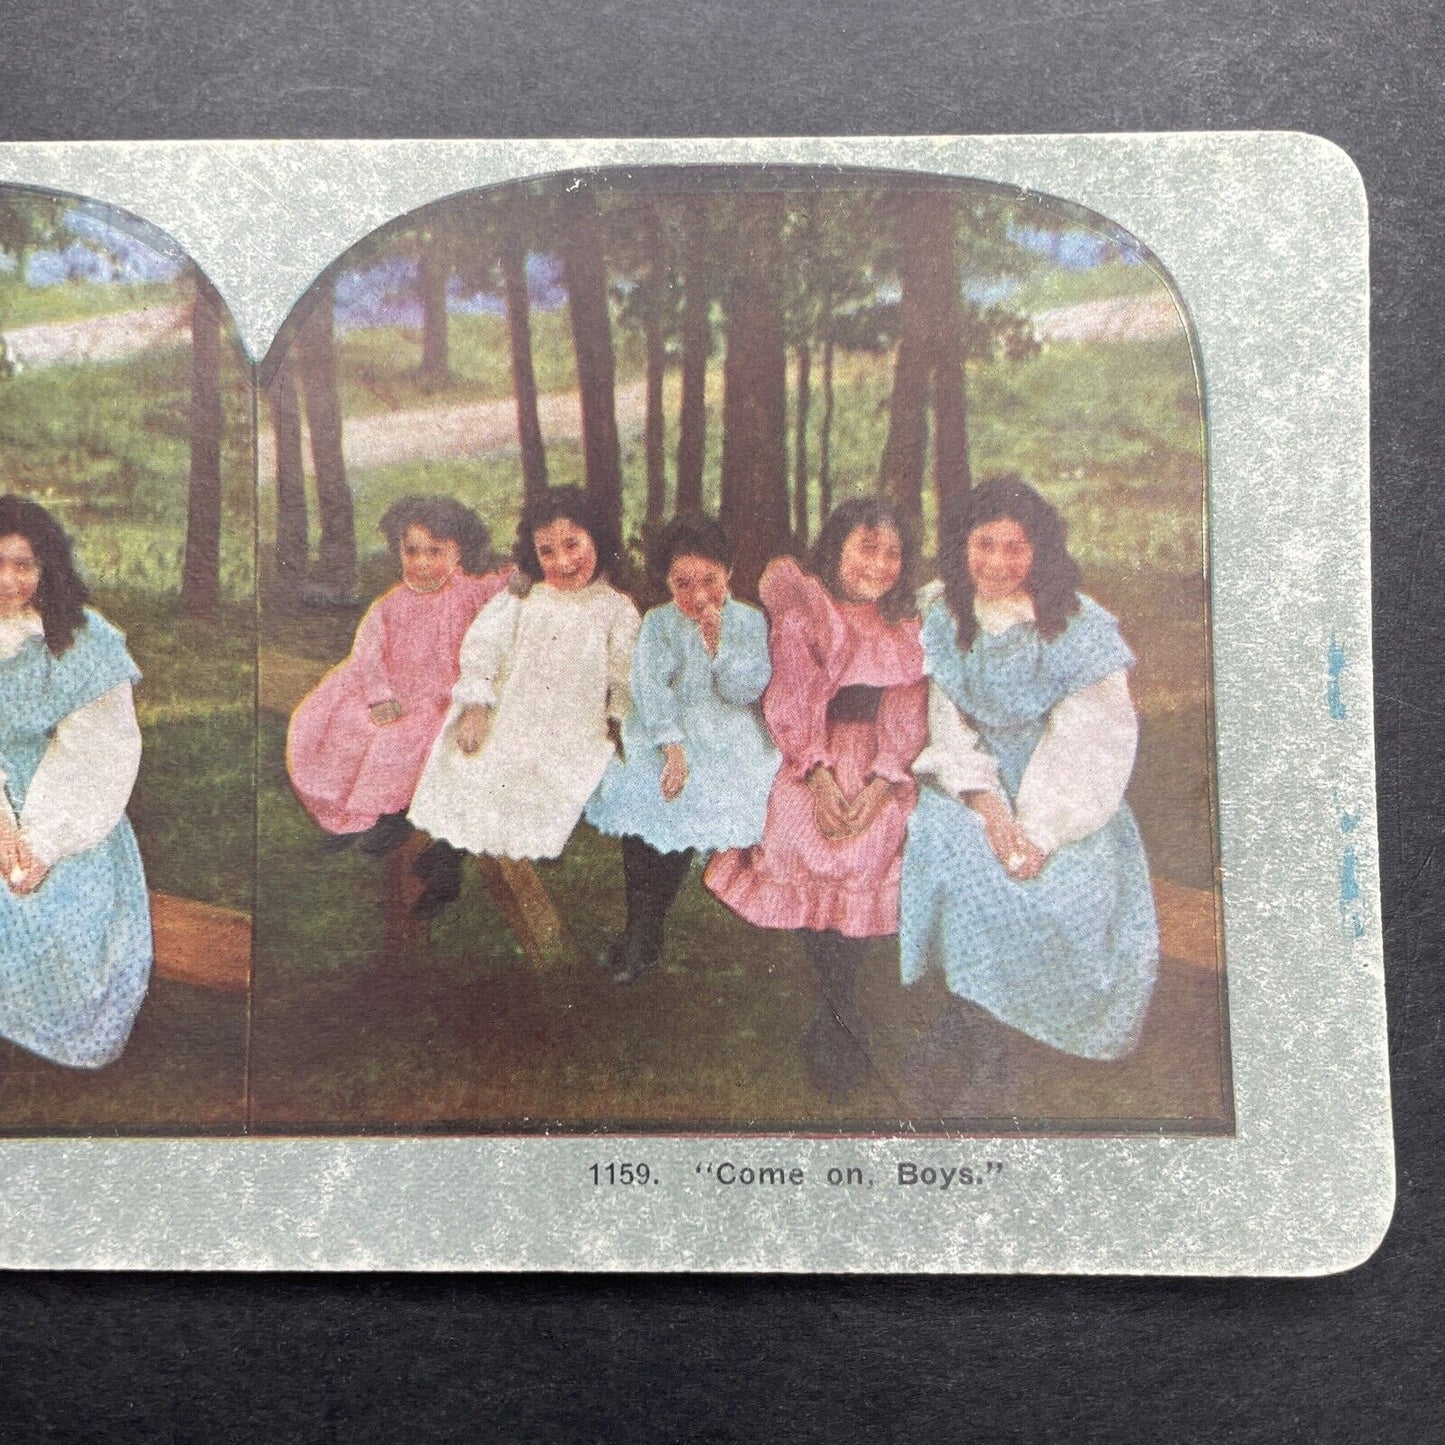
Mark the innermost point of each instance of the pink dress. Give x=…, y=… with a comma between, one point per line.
x=821, y=648
x=346, y=770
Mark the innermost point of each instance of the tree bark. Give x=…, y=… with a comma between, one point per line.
x=800, y=445
x=825, y=432
x=291, y=521
x=696, y=344
x=335, y=581
x=952, y=480
x=755, y=378
x=586, y=277
x=201, y=576
x=435, y=370
x=654, y=430
x=513, y=259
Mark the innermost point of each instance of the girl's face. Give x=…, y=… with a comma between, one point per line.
x=870, y=563
x=567, y=554
x=19, y=575
x=1000, y=556
x=698, y=585
x=427, y=561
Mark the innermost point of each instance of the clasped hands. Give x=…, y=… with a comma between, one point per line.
x=836, y=815
x=22, y=870
x=1020, y=857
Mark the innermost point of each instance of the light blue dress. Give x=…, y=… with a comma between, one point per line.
x=683, y=694
x=1069, y=957
x=75, y=955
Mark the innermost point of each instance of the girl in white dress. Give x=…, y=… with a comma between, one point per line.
x=542, y=693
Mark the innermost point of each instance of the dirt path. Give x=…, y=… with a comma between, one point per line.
x=468, y=430
x=1122, y=318
x=100, y=338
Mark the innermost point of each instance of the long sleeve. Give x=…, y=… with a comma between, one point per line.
x=484, y=652
x=621, y=639
x=368, y=657
x=902, y=730
x=84, y=781
x=655, y=666
x=955, y=754
x=1075, y=780
x=742, y=667
x=795, y=705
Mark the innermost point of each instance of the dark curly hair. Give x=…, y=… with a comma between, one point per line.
x=61, y=597
x=898, y=602
x=447, y=520
x=1053, y=579
x=688, y=536
x=578, y=508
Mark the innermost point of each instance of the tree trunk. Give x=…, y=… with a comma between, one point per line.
x=201, y=576
x=951, y=476
x=696, y=344
x=800, y=446
x=291, y=521
x=513, y=260
x=435, y=371
x=755, y=381
x=586, y=276
x=335, y=582
x=825, y=431
x=900, y=472
x=654, y=433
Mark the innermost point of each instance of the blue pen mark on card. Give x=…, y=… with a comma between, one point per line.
x=1352, y=903
x=1337, y=663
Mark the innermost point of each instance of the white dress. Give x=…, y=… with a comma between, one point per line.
x=553, y=667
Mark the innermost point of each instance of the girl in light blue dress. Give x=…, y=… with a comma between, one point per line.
x=1024, y=876
x=697, y=763
x=75, y=934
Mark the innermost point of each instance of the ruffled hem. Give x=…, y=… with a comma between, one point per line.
x=675, y=840
x=865, y=910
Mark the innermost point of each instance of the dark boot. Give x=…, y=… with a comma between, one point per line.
x=389, y=831
x=653, y=880
x=835, y=1043
x=439, y=866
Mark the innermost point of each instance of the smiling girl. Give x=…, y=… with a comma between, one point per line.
x=1024, y=878
x=847, y=706
x=75, y=933
x=543, y=685
x=358, y=742
x=697, y=760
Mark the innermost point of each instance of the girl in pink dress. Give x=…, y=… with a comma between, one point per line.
x=358, y=742
x=848, y=707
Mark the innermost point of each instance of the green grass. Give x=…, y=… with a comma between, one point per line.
x=23, y=305
x=106, y=447
x=377, y=366
x=1057, y=287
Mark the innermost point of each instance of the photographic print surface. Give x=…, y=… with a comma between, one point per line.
x=128, y=721
x=761, y=351
x=728, y=705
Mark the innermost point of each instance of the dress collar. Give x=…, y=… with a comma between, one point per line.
x=16, y=631
x=997, y=617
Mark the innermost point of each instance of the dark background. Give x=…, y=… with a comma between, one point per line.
x=391, y=1358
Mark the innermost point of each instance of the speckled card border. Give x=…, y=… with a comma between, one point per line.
x=1265, y=236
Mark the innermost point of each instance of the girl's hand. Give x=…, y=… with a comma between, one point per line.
x=999, y=828
x=830, y=807
x=471, y=728
x=1027, y=861
x=709, y=623
x=383, y=714
x=674, y=771
x=864, y=809
x=18, y=865
x=30, y=879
